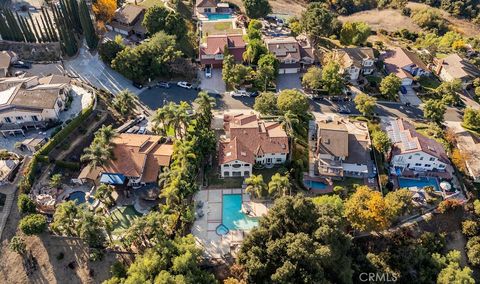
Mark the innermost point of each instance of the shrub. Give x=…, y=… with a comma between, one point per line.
x=25, y=204
x=448, y=205
x=33, y=224
x=469, y=228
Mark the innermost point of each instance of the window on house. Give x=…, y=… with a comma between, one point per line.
x=421, y=158
x=279, y=160
x=226, y=166
x=409, y=157
x=441, y=166
x=246, y=165
x=8, y=120
x=432, y=159
x=226, y=174
x=19, y=117
x=34, y=118
x=427, y=165
x=418, y=165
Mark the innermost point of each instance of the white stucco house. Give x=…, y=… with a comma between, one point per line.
x=250, y=140
x=453, y=67
x=356, y=61
x=414, y=153
x=294, y=54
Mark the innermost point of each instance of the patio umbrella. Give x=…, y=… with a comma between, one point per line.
x=445, y=185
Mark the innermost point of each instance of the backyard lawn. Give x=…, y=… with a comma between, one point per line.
x=216, y=28
x=429, y=83
x=123, y=217
x=150, y=3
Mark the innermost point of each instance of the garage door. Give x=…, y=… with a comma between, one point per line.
x=281, y=71
x=291, y=70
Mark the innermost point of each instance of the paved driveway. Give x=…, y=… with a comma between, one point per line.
x=215, y=84
x=410, y=96
x=91, y=69
x=289, y=81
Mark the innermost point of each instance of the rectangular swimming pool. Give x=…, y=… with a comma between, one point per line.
x=314, y=184
x=233, y=217
x=418, y=182
x=215, y=17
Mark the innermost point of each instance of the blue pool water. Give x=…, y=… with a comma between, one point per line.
x=314, y=184
x=79, y=197
x=214, y=17
x=418, y=182
x=233, y=217
x=222, y=230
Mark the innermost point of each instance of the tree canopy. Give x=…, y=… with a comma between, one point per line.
x=313, y=78
x=332, y=80
x=354, y=33
x=317, y=21
x=390, y=86
x=257, y=8
x=365, y=104
x=434, y=110
x=294, y=101
x=266, y=103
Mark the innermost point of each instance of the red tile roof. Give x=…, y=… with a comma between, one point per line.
x=216, y=43
x=250, y=137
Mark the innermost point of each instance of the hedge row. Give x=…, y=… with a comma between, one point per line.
x=42, y=154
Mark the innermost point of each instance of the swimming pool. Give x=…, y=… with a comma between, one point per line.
x=79, y=197
x=314, y=184
x=418, y=182
x=215, y=17
x=232, y=216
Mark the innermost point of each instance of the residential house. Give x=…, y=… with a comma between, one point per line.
x=356, y=61
x=453, y=67
x=24, y=102
x=414, y=154
x=294, y=54
x=206, y=7
x=7, y=168
x=405, y=65
x=138, y=160
x=128, y=21
x=33, y=144
x=343, y=149
x=212, y=52
x=4, y=64
x=469, y=146
x=250, y=140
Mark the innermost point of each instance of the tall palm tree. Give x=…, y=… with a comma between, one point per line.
x=256, y=186
x=288, y=120
x=279, y=185
x=64, y=218
x=105, y=134
x=124, y=102
x=205, y=104
x=97, y=155
x=159, y=121
x=104, y=194
x=181, y=118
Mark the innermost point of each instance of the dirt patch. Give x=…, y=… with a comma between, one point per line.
x=33, y=51
x=462, y=26
x=287, y=7
x=388, y=19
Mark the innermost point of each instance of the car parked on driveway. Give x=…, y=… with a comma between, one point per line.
x=163, y=85
x=208, y=72
x=184, y=84
x=239, y=93
x=22, y=65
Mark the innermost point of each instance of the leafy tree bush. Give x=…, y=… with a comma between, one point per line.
x=109, y=50
x=266, y=103
x=317, y=21
x=313, y=78
x=17, y=244
x=381, y=142
x=471, y=118
x=448, y=205
x=430, y=20
x=452, y=272
x=390, y=86
x=473, y=250
x=294, y=101
x=470, y=228
x=25, y=204
x=104, y=10
x=354, y=33
x=33, y=224
x=255, y=49
x=365, y=104
x=257, y=8
x=158, y=18
x=434, y=110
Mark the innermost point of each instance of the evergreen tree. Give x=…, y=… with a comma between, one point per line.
x=87, y=26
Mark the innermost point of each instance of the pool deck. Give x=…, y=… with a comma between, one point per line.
x=204, y=228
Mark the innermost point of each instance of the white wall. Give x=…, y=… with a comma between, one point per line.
x=417, y=161
x=275, y=158
x=25, y=115
x=237, y=166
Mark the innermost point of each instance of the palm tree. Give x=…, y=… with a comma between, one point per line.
x=56, y=181
x=163, y=177
x=279, y=185
x=256, y=186
x=65, y=217
x=104, y=194
x=181, y=118
x=97, y=155
x=289, y=119
x=159, y=119
x=124, y=102
x=204, y=111
x=105, y=134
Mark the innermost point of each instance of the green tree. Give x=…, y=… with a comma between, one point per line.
x=87, y=25
x=476, y=206
x=33, y=224
x=266, y=103
x=56, y=181
x=452, y=272
x=256, y=9
x=470, y=228
x=471, y=118
x=317, y=21
x=365, y=104
x=434, y=110
x=294, y=101
x=473, y=250
x=256, y=186
x=109, y=50
x=17, y=244
x=240, y=74
x=25, y=204
x=399, y=202
x=333, y=202
x=267, y=71
x=254, y=30
x=313, y=78
x=65, y=218
x=227, y=70
x=381, y=142
x=297, y=242
x=104, y=194
x=255, y=49
x=332, y=79
x=449, y=92
x=354, y=33
x=124, y=102
x=158, y=18
x=390, y=86
x=205, y=104
x=279, y=185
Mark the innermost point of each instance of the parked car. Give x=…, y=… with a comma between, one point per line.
x=184, y=84
x=133, y=129
x=208, y=72
x=403, y=90
x=239, y=93
x=22, y=65
x=18, y=73
x=137, y=85
x=142, y=130
x=343, y=110
x=163, y=85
